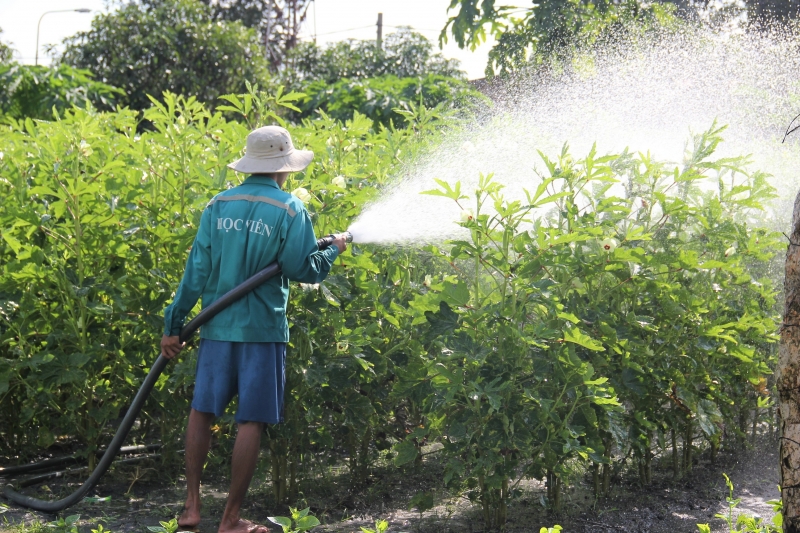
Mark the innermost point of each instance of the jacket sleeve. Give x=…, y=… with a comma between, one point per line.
x=198, y=269
x=298, y=256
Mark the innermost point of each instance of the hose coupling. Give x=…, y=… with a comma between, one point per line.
x=327, y=240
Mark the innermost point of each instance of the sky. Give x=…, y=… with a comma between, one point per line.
x=333, y=20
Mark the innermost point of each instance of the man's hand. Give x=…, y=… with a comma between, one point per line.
x=171, y=346
x=339, y=240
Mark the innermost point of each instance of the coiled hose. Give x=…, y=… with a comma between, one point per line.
x=144, y=391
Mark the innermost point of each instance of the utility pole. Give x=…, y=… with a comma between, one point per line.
x=380, y=30
x=787, y=378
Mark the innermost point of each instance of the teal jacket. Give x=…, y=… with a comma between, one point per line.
x=242, y=230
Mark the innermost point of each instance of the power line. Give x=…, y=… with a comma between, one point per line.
x=410, y=27
x=343, y=31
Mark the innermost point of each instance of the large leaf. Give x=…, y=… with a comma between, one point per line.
x=579, y=337
x=405, y=452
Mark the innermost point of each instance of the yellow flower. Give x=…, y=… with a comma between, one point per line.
x=730, y=251
x=339, y=181
x=467, y=215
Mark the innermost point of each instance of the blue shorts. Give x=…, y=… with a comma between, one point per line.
x=253, y=370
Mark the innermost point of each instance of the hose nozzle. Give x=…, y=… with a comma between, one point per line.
x=327, y=240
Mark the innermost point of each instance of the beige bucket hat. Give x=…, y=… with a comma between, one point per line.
x=270, y=149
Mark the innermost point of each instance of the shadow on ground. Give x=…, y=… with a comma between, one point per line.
x=139, y=499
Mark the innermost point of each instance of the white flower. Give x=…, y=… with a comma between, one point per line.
x=85, y=148
x=467, y=215
x=730, y=251
x=468, y=147
x=428, y=280
x=302, y=194
x=339, y=181
x=609, y=244
x=1, y=156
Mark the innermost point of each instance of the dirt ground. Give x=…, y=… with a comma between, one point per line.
x=138, y=499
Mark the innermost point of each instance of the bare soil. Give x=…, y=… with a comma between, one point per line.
x=143, y=495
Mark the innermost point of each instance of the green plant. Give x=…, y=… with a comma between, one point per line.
x=383, y=98
x=67, y=524
x=170, y=526
x=33, y=527
x=380, y=527
x=554, y=529
x=621, y=309
x=551, y=323
x=746, y=523
x=28, y=91
x=300, y=521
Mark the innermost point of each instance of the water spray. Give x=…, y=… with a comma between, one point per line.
x=158, y=367
x=648, y=96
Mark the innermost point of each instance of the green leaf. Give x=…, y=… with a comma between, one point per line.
x=578, y=337
x=282, y=521
x=307, y=522
x=422, y=501
x=456, y=293
x=405, y=452
x=444, y=321
x=12, y=242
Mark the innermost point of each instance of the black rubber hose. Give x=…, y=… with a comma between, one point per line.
x=63, y=473
x=47, y=464
x=138, y=401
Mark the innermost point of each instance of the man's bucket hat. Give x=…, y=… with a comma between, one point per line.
x=270, y=149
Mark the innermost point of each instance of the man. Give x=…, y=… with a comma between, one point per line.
x=243, y=349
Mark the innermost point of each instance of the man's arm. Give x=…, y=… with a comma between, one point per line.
x=198, y=269
x=298, y=255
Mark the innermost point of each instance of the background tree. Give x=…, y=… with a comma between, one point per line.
x=526, y=35
x=278, y=22
x=405, y=54
x=547, y=27
x=5, y=51
x=382, y=83
x=169, y=45
x=391, y=100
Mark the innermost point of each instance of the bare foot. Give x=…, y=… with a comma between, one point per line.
x=190, y=518
x=243, y=526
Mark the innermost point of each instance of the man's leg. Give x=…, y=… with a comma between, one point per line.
x=198, y=440
x=243, y=463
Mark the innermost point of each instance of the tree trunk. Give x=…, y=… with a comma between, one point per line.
x=788, y=382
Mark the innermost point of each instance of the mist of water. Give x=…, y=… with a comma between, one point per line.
x=650, y=97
